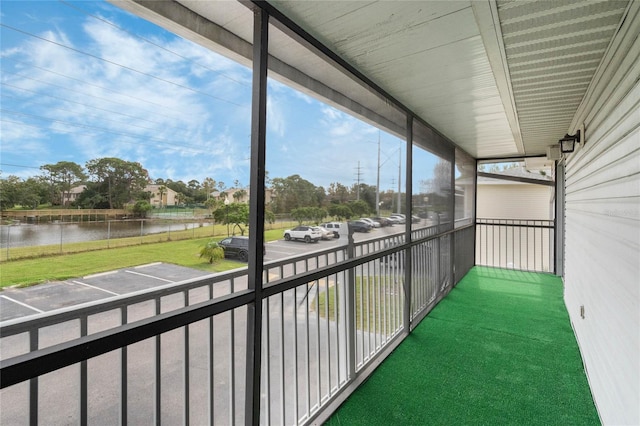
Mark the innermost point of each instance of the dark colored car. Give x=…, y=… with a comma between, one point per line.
x=237, y=247
x=359, y=226
x=383, y=221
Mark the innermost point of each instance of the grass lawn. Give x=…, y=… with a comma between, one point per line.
x=378, y=304
x=26, y=272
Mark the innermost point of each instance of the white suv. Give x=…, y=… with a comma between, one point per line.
x=303, y=232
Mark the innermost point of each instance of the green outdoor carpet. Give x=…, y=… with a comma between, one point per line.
x=498, y=350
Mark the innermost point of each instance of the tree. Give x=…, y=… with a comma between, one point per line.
x=340, y=211
x=338, y=192
x=293, y=192
x=212, y=204
x=141, y=208
x=63, y=176
x=239, y=195
x=441, y=183
x=359, y=207
x=212, y=251
x=161, y=191
x=93, y=197
x=118, y=179
x=234, y=213
x=9, y=192
x=269, y=217
x=208, y=185
x=28, y=193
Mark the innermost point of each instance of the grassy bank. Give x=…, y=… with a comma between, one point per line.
x=206, y=231
x=25, y=272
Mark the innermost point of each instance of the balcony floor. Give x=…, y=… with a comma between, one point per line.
x=499, y=349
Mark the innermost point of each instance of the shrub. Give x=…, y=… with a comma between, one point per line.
x=212, y=251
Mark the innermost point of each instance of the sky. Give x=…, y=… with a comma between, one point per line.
x=86, y=80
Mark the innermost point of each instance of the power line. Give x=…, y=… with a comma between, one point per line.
x=120, y=65
x=152, y=43
x=83, y=82
x=4, y=95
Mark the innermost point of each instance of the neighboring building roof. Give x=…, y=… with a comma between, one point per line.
x=518, y=172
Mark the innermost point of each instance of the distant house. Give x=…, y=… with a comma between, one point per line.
x=73, y=194
x=161, y=198
x=268, y=195
x=511, y=199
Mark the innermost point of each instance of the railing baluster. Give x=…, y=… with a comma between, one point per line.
x=318, y=349
x=296, y=392
x=282, y=364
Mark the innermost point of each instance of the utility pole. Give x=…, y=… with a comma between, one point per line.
x=399, y=175
x=358, y=174
x=393, y=184
x=378, y=180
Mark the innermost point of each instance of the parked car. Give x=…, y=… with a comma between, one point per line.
x=237, y=247
x=371, y=222
x=303, y=232
x=399, y=217
x=333, y=227
x=326, y=234
x=394, y=220
x=383, y=221
x=360, y=226
x=415, y=219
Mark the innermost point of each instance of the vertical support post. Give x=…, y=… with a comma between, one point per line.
x=350, y=289
x=256, y=213
x=452, y=237
x=558, y=231
x=33, y=383
x=475, y=214
x=124, y=365
x=83, y=377
x=407, y=225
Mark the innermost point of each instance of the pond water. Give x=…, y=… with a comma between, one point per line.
x=27, y=235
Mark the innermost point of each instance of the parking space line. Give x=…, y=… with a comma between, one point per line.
x=148, y=264
x=150, y=276
x=96, y=288
x=22, y=304
x=100, y=274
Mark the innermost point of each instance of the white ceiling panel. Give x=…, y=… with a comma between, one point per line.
x=428, y=55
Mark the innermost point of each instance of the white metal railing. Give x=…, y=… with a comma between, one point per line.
x=178, y=353
x=526, y=245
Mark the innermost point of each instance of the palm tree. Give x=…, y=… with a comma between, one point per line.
x=161, y=191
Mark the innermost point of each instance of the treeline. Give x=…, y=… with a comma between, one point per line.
x=115, y=183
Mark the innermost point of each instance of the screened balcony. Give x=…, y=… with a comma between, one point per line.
x=290, y=341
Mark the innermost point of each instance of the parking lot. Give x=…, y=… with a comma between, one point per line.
x=21, y=302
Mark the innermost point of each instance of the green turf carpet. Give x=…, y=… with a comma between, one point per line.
x=499, y=349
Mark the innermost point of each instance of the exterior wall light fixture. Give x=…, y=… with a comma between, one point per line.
x=568, y=143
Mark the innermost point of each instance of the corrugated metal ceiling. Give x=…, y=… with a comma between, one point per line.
x=553, y=49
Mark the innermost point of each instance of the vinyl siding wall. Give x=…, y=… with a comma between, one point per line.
x=602, y=239
x=514, y=201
